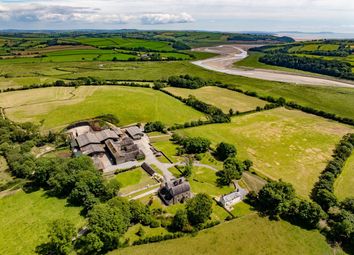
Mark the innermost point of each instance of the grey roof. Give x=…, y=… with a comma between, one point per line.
x=181, y=188
x=118, y=131
x=134, y=131
x=92, y=149
x=106, y=134
x=87, y=138
x=148, y=168
x=233, y=195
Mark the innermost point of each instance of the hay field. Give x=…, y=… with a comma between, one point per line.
x=57, y=107
x=219, y=97
x=286, y=144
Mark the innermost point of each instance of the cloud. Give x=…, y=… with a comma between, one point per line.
x=34, y=12
x=165, y=18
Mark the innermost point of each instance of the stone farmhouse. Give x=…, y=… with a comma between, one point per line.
x=175, y=191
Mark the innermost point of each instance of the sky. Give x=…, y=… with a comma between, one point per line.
x=212, y=15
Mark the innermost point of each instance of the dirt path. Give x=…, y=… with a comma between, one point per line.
x=232, y=53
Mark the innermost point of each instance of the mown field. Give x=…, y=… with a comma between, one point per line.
x=24, y=219
x=56, y=107
x=286, y=144
x=343, y=186
x=247, y=235
x=331, y=99
x=222, y=98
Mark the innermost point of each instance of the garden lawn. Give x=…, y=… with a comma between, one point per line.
x=247, y=235
x=221, y=98
x=129, y=104
x=133, y=180
x=203, y=180
x=343, y=187
x=286, y=144
x=24, y=220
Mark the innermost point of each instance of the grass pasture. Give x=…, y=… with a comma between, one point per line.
x=330, y=99
x=219, y=97
x=343, y=187
x=286, y=144
x=24, y=220
x=251, y=235
x=133, y=180
x=125, y=42
x=58, y=107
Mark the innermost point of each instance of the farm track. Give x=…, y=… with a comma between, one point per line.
x=230, y=54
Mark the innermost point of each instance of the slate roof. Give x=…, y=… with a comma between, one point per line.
x=134, y=131
x=92, y=149
x=87, y=138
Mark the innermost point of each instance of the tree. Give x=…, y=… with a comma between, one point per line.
x=248, y=164
x=154, y=126
x=61, y=234
x=348, y=204
x=304, y=213
x=90, y=244
x=108, y=223
x=199, y=208
x=225, y=150
x=180, y=220
x=233, y=169
x=275, y=197
x=195, y=144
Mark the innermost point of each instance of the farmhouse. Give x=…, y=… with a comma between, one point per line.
x=106, y=147
x=175, y=191
x=232, y=198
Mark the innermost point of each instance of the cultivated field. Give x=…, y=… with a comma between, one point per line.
x=24, y=220
x=285, y=144
x=219, y=97
x=57, y=107
x=247, y=235
x=343, y=186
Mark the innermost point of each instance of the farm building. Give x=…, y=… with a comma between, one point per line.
x=175, y=191
x=232, y=198
x=135, y=132
x=148, y=169
x=106, y=147
x=124, y=150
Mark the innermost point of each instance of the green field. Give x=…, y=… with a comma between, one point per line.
x=252, y=61
x=247, y=235
x=61, y=106
x=222, y=98
x=24, y=219
x=330, y=99
x=125, y=42
x=343, y=186
x=286, y=144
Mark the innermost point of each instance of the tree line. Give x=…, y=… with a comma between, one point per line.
x=316, y=65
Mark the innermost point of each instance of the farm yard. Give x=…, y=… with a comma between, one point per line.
x=67, y=105
x=221, y=98
x=283, y=144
